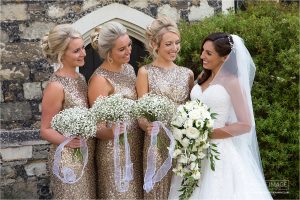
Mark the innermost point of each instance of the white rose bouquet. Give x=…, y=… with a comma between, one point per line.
x=71, y=122
x=117, y=109
x=158, y=110
x=191, y=127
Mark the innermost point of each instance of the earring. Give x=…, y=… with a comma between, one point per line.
x=109, y=59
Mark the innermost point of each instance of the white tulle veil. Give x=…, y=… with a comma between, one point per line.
x=236, y=75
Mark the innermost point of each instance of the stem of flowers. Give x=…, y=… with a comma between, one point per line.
x=77, y=155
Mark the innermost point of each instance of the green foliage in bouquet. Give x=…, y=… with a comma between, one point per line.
x=271, y=33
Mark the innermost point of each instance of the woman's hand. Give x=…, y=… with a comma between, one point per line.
x=107, y=132
x=151, y=128
x=121, y=126
x=74, y=143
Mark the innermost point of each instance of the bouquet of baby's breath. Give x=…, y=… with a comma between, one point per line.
x=76, y=121
x=155, y=108
x=159, y=110
x=192, y=126
x=113, y=108
x=117, y=109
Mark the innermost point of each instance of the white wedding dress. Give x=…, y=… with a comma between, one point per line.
x=236, y=177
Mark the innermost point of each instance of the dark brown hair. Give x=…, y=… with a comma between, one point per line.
x=222, y=43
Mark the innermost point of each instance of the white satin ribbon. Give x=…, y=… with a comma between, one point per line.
x=150, y=176
x=122, y=182
x=69, y=175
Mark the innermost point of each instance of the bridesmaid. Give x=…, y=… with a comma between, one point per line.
x=66, y=88
x=113, y=76
x=162, y=77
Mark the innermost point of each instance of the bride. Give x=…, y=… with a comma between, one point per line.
x=224, y=85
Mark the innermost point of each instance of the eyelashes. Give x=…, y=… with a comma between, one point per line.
x=170, y=43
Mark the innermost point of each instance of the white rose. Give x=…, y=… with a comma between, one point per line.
x=192, y=133
x=196, y=175
x=198, y=141
x=201, y=155
x=199, y=123
x=176, y=153
x=185, y=142
x=188, y=123
x=194, y=166
x=182, y=159
x=176, y=122
x=189, y=106
x=177, y=133
x=193, y=157
x=195, y=114
x=179, y=166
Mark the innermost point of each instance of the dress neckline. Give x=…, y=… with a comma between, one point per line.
x=69, y=77
x=163, y=68
x=121, y=71
x=209, y=85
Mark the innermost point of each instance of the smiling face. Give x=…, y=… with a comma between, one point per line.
x=121, y=51
x=211, y=60
x=74, y=54
x=169, y=47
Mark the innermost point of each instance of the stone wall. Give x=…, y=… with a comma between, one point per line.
x=24, y=74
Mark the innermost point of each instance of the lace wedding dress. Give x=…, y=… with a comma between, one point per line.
x=236, y=176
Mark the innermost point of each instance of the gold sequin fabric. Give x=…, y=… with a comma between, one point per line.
x=75, y=92
x=174, y=84
x=123, y=83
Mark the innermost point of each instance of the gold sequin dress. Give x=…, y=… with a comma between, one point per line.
x=174, y=84
x=123, y=83
x=75, y=91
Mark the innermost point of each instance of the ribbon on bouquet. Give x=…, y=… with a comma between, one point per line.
x=150, y=177
x=69, y=175
x=122, y=181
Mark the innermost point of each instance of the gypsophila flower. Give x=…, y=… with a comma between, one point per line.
x=76, y=121
x=113, y=108
x=191, y=127
x=155, y=108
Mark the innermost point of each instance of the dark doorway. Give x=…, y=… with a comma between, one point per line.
x=93, y=60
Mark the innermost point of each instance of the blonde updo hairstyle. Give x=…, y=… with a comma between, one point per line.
x=103, y=38
x=155, y=32
x=55, y=43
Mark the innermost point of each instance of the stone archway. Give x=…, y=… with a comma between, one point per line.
x=135, y=22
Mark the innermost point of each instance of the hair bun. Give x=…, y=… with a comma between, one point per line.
x=95, y=37
x=46, y=47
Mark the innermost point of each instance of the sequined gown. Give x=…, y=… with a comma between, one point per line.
x=75, y=91
x=123, y=83
x=174, y=84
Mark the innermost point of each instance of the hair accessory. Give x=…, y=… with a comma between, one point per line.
x=230, y=41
